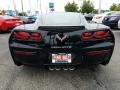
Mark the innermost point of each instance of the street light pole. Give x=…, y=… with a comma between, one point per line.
x=14, y=7
x=37, y=6
x=99, y=10
x=30, y=5
x=40, y=7
x=22, y=7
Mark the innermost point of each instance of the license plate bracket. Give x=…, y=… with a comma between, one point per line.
x=61, y=58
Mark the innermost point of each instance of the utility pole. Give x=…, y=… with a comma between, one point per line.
x=99, y=10
x=22, y=7
x=37, y=6
x=46, y=6
x=15, y=7
x=40, y=7
x=30, y=6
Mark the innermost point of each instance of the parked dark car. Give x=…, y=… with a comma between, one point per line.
x=112, y=20
x=61, y=41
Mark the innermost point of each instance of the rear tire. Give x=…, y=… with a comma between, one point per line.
x=105, y=62
x=0, y=31
x=18, y=63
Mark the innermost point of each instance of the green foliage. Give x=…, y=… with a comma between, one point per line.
x=115, y=7
x=2, y=12
x=71, y=7
x=87, y=6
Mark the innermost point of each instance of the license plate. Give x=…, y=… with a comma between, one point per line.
x=61, y=58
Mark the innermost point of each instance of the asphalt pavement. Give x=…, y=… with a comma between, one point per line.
x=35, y=78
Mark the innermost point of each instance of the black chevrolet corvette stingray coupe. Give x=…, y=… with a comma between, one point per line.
x=60, y=40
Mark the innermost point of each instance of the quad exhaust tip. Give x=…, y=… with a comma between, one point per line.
x=51, y=68
x=58, y=68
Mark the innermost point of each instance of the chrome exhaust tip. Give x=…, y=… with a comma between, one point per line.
x=51, y=68
x=57, y=68
x=65, y=68
x=72, y=68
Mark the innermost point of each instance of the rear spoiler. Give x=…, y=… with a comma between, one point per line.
x=61, y=28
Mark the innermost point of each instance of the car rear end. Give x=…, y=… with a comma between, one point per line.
x=10, y=23
x=98, y=18
x=111, y=21
x=61, y=45
x=44, y=47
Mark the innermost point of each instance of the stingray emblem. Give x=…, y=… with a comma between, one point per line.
x=61, y=38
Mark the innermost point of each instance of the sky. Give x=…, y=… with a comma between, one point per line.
x=59, y=4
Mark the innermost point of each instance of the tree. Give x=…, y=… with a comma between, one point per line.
x=71, y=7
x=113, y=7
x=118, y=7
x=87, y=7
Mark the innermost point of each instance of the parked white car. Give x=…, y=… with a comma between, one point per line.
x=99, y=17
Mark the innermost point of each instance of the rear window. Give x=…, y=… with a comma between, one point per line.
x=62, y=19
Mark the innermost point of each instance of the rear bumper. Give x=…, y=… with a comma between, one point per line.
x=42, y=56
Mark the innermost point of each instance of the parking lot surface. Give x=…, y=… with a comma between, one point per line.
x=34, y=78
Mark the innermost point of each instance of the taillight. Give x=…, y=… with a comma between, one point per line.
x=101, y=34
x=8, y=20
x=36, y=36
x=87, y=35
x=28, y=36
x=98, y=17
x=94, y=35
x=22, y=35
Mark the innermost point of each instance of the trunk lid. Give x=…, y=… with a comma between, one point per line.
x=61, y=35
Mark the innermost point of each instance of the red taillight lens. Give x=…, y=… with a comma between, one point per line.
x=87, y=35
x=95, y=35
x=101, y=34
x=36, y=36
x=98, y=17
x=22, y=35
x=28, y=36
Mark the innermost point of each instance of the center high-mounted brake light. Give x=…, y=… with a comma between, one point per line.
x=28, y=36
x=94, y=35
